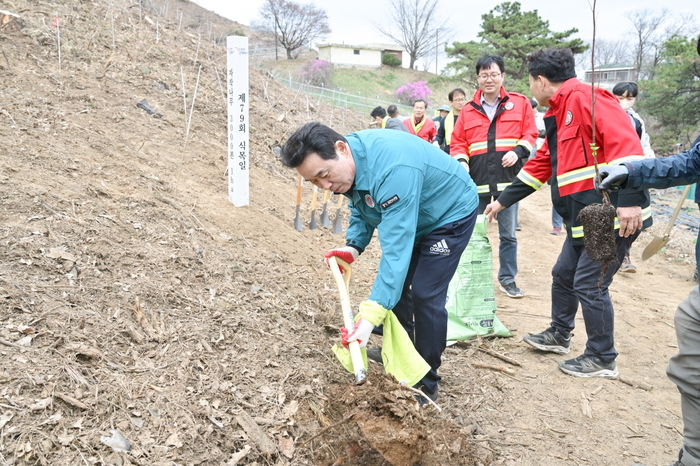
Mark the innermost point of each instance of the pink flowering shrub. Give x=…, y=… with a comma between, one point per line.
x=317, y=72
x=409, y=93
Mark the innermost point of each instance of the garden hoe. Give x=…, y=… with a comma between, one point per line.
x=297, y=214
x=338, y=220
x=660, y=241
x=342, y=279
x=312, y=222
x=325, y=221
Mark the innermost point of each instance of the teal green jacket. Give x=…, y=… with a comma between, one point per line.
x=405, y=188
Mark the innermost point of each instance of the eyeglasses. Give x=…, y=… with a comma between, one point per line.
x=459, y=101
x=493, y=76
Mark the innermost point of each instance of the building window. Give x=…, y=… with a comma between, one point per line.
x=356, y=52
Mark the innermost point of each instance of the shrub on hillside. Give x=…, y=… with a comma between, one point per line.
x=390, y=60
x=409, y=93
x=317, y=72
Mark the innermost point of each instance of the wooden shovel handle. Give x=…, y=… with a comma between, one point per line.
x=313, y=200
x=686, y=191
x=343, y=281
x=300, y=185
x=326, y=195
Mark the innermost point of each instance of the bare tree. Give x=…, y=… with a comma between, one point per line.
x=649, y=34
x=292, y=24
x=646, y=25
x=618, y=52
x=414, y=24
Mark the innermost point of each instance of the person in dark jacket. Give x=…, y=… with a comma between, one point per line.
x=683, y=368
x=386, y=122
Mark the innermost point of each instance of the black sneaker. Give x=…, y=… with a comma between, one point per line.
x=550, y=340
x=422, y=400
x=589, y=366
x=512, y=290
x=375, y=354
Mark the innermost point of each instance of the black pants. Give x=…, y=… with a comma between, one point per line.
x=576, y=280
x=421, y=309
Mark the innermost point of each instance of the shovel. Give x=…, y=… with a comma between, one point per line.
x=342, y=279
x=297, y=215
x=660, y=241
x=325, y=221
x=312, y=222
x=338, y=220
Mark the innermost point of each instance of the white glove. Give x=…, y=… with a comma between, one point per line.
x=363, y=329
x=347, y=253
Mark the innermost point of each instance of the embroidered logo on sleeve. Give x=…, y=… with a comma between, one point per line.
x=369, y=201
x=392, y=200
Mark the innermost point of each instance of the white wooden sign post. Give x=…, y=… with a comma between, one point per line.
x=238, y=121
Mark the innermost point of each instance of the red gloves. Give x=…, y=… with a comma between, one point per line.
x=347, y=253
x=363, y=329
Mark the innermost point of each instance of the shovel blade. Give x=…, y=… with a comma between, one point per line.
x=337, y=223
x=325, y=220
x=655, y=246
x=312, y=224
x=297, y=220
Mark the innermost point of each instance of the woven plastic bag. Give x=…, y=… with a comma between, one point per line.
x=471, y=304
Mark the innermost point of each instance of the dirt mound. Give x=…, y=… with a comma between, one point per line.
x=139, y=304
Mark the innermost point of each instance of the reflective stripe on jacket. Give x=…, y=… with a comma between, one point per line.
x=484, y=142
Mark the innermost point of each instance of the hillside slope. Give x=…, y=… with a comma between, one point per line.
x=137, y=299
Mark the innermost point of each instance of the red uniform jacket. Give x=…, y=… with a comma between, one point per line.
x=567, y=158
x=483, y=142
x=427, y=132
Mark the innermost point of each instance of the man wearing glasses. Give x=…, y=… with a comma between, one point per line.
x=492, y=138
x=444, y=135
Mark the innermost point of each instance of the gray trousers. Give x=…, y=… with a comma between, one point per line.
x=684, y=370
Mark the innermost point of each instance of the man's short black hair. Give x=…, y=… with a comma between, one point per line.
x=630, y=88
x=454, y=92
x=557, y=65
x=420, y=100
x=484, y=63
x=310, y=138
x=392, y=110
x=378, y=112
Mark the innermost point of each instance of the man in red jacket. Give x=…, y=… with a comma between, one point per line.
x=567, y=158
x=493, y=137
x=419, y=124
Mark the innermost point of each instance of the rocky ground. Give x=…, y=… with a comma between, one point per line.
x=139, y=304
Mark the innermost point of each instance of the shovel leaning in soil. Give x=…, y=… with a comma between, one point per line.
x=325, y=221
x=312, y=222
x=338, y=220
x=343, y=281
x=660, y=241
x=297, y=214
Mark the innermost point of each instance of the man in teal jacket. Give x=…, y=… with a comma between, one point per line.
x=423, y=205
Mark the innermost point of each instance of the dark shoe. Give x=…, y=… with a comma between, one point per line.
x=422, y=400
x=512, y=290
x=589, y=366
x=375, y=354
x=550, y=340
x=627, y=266
x=518, y=228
